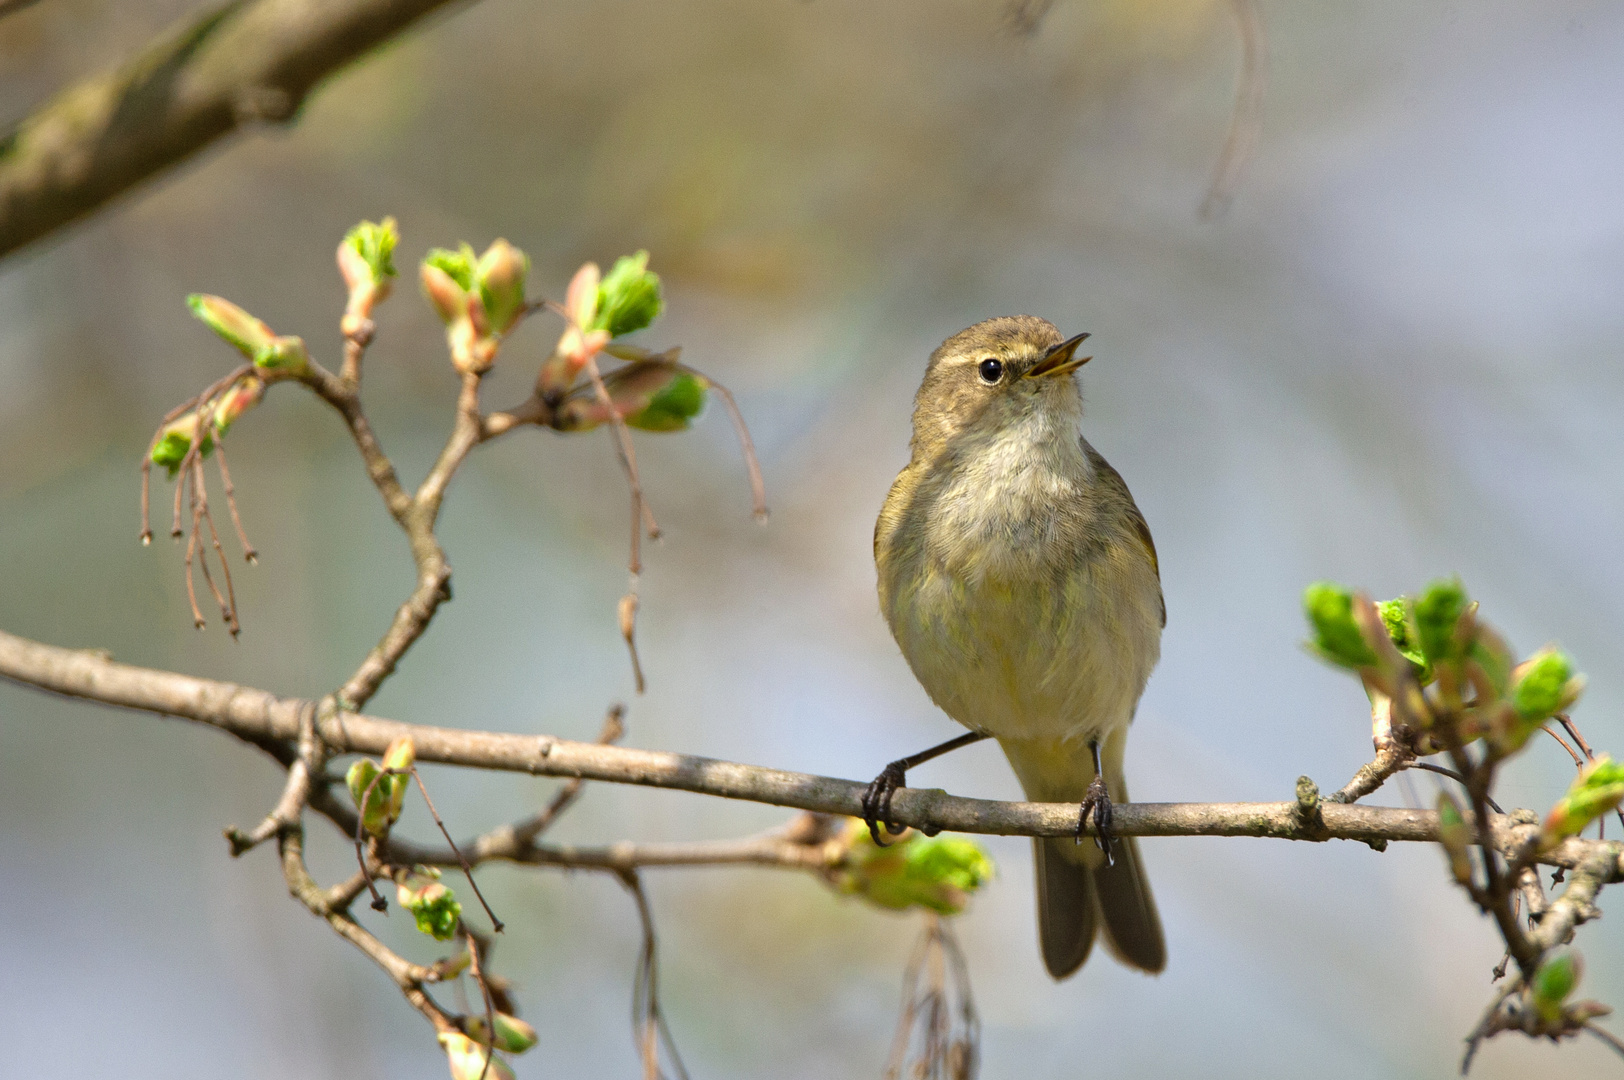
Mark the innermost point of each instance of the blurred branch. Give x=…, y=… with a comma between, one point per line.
x=260, y=717
x=199, y=80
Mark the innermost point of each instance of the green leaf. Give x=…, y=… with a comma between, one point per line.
x=375, y=243
x=1437, y=615
x=674, y=407
x=457, y=265
x=628, y=297
x=1336, y=635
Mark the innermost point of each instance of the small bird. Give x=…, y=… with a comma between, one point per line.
x=1021, y=582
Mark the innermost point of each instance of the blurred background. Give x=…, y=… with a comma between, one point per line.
x=1395, y=357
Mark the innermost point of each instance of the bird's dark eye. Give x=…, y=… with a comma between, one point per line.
x=991, y=370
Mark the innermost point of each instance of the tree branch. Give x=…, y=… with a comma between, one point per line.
x=260, y=717
x=199, y=80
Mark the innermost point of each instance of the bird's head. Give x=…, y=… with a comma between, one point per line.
x=998, y=373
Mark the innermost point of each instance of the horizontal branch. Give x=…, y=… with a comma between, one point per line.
x=258, y=716
x=199, y=80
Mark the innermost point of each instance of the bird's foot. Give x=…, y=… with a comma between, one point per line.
x=877, y=800
x=1097, y=802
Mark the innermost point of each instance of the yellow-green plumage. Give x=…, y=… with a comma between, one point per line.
x=1021, y=583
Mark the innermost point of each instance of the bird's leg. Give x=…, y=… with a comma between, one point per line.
x=1098, y=802
x=877, y=799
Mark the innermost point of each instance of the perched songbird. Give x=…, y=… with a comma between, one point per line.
x=1021, y=582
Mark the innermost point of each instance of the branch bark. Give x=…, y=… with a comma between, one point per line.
x=201, y=79
x=258, y=717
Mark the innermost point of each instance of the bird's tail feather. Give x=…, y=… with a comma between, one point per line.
x=1078, y=893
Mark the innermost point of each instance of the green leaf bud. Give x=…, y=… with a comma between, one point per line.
x=1553, y=981
x=513, y=1035
x=1597, y=790
x=283, y=354
x=1544, y=684
x=247, y=334
x=432, y=904
x=1336, y=634
x=500, y=275
x=175, y=441
x=383, y=798
x=628, y=297
x=1438, y=613
x=674, y=407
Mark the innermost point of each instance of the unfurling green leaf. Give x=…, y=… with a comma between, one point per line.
x=457, y=265
x=1336, y=633
x=1553, y=981
x=1399, y=623
x=513, y=1035
x=1598, y=789
x=373, y=244
x=628, y=297
x=468, y=1059
x=934, y=872
x=432, y=904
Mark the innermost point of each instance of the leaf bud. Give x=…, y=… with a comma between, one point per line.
x=247, y=334
x=468, y=1059
x=1337, y=637
x=628, y=298
x=513, y=1035
x=1598, y=789
x=500, y=275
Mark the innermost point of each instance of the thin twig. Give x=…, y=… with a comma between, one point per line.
x=249, y=553
x=1246, y=121
x=467, y=870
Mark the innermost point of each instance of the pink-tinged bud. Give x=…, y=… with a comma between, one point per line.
x=249, y=335
x=468, y=1059
x=449, y=299
x=238, y=399
x=581, y=300
x=353, y=268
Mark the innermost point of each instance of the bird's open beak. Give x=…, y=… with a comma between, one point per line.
x=1060, y=360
